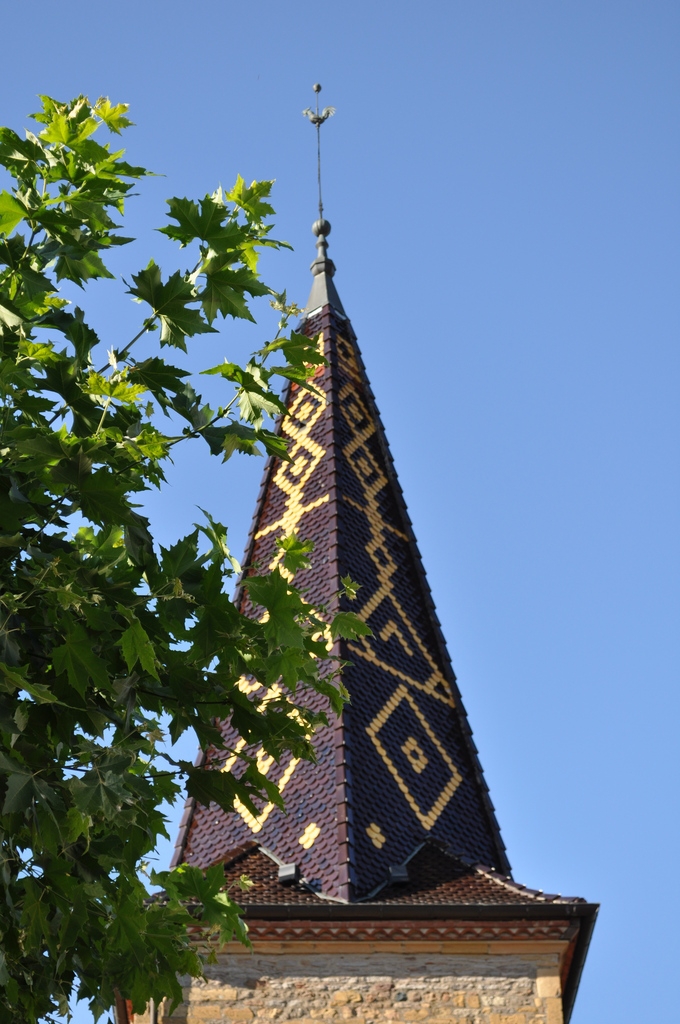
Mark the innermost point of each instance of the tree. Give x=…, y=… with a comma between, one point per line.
x=104, y=637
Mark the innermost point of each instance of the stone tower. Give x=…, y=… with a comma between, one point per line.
x=384, y=893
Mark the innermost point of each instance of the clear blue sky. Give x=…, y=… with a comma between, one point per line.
x=502, y=179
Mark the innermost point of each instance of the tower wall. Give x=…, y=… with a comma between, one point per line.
x=408, y=986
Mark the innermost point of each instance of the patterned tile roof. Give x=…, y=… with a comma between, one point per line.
x=400, y=766
x=435, y=877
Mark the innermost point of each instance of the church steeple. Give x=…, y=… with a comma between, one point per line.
x=400, y=765
x=388, y=863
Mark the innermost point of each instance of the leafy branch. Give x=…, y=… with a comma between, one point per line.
x=105, y=636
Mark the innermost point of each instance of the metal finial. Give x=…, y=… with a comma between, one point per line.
x=317, y=118
x=324, y=292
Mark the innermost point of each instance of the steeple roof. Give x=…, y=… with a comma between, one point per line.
x=399, y=766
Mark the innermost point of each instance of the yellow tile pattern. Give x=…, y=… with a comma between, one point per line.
x=426, y=817
x=264, y=763
x=376, y=836
x=415, y=755
x=392, y=629
x=372, y=480
x=309, y=835
x=292, y=478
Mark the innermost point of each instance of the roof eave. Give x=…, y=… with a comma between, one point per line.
x=585, y=934
x=418, y=911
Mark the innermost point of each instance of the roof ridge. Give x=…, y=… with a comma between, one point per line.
x=237, y=853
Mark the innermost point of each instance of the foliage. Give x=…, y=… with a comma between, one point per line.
x=103, y=636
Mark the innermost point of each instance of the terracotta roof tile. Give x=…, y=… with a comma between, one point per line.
x=261, y=868
x=436, y=877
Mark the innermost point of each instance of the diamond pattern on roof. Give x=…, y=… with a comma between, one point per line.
x=399, y=766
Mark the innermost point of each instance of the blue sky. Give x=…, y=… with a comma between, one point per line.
x=501, y=176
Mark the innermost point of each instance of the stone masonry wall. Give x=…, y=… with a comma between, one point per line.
x=400, y=988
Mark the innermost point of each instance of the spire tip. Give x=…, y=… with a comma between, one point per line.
x=323, y=290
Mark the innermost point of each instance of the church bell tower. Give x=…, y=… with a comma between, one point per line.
x=384, y=892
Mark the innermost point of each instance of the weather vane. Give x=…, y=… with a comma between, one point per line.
x=317, y=118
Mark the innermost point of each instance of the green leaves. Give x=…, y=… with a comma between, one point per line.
x=75, y=264
x=103, y=498
x=23, y=786
x=208, y=221
x=67, y=123
x=189, y=885
x=21, y=157
x=161, y=380
x=103, y=637
x=99, y=792
x=138, y=648
x=117, y=387
x=254, y=398
x=349, y=626
x=9, y=314
x=76, y=658
x=170, y=304
x=349, y=587
x=296, y=552
x=225, y=289
x=36, y=916
x=298, y=349
x=11, y=213
x=250, y=198
x=283, y=626
x=235, y=437
x=113, y=115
